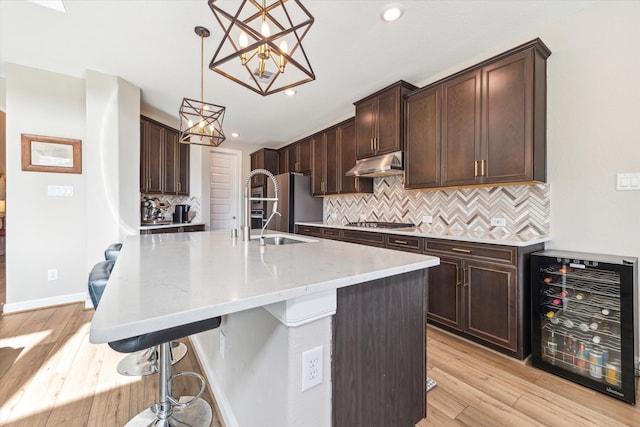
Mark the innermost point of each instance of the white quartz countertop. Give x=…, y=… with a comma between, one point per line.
x=507, y=239
x=164, y=280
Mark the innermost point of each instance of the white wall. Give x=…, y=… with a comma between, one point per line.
x=593, y=127
x=68, y=233
x=44, y=232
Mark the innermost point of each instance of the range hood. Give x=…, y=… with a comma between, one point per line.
x=384, y=165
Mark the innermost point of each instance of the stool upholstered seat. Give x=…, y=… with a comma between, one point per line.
x=98, y=278
x=112, y=251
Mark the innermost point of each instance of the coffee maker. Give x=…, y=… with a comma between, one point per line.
x=181, y=214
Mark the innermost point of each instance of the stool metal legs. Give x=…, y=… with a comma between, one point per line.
x=170, y=411
x=145, y=362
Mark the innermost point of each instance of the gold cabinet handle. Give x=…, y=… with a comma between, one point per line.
x=375, y=143
x=401, y=242
x=371, y=144
x=357, y=184
x=464, y=251
x=482, y=163
x=475, y=168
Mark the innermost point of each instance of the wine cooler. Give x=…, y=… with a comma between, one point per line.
x=583, y=326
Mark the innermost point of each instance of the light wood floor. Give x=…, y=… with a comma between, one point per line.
x=50, y=375
x=477, y=387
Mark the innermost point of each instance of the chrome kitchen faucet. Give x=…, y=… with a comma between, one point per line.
x=246, y=227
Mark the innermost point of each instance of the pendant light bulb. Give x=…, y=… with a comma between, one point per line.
x=265, y=30
x=244, y=40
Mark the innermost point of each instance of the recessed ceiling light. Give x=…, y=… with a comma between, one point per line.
x=391, y=13
x=290, y=92
x=235, y=134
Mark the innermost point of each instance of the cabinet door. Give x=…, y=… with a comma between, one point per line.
x=257, y=161
x=151, y=157
x=293, y=158
x=388, y=123
x=283, y=161
x=332, y=180
x=184, y=151
x=461, y=130
x=422, y=139
x=507, y=117
x=305, y=155
x=444, y=303
x=491, y=302
x=318, y=175
x=347, y=150
x=365, y=128
x=170, y=151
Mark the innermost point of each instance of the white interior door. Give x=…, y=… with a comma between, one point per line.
x=225, y=189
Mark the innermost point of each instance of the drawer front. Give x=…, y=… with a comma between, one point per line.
x=494, y=253
x=405, y=243
x=308, y=230
x=332, y=233
x=363, y=237
x=192, y=228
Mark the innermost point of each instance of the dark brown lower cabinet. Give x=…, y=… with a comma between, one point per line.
x=176, y=229
x=481, y=291
x=379, y=365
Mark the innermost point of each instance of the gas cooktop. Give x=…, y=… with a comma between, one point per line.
x=379, y=224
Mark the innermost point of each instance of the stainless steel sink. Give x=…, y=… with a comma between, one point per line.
x=278, y=240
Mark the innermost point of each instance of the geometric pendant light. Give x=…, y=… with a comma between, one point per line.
x=262, y=45
x=201, y=122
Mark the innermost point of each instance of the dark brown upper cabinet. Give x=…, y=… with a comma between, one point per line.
x=347, y=155
x=283, y=160
x=422, y=139
x=492, y=126
x=324, y=177
x=299, y=156
x=265, y=158
x=379, y=121
x=164, y=162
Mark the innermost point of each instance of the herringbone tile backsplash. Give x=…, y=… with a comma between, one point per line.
x=525, y=208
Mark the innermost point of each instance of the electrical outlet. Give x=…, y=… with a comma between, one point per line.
x=311, y=368
x=52, y=274
x=498, y=222
x=223, y=343
x=334, y=215
x=427, y=219
x=363, y=217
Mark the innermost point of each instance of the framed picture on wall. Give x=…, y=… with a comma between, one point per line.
x=51, y=154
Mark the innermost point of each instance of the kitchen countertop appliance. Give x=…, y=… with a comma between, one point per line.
x=153, y=211
x=295, y=204
x=181, y=214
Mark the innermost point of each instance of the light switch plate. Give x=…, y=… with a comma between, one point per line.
x=427, y=219
x=60, y=190
x=498, y=222
x=628, y=181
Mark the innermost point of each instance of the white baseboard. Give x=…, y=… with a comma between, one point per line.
x=228, y=417
x=44, y=302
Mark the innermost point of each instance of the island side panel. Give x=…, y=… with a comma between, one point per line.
x=379, y=353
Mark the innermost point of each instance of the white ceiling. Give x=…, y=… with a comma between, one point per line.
x=151, y=43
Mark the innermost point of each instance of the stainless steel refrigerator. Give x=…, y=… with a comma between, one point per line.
x=295, y=204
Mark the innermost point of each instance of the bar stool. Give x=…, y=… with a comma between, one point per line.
x=144, y=362
x=170, y=410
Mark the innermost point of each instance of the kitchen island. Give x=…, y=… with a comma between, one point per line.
x=361, y=307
